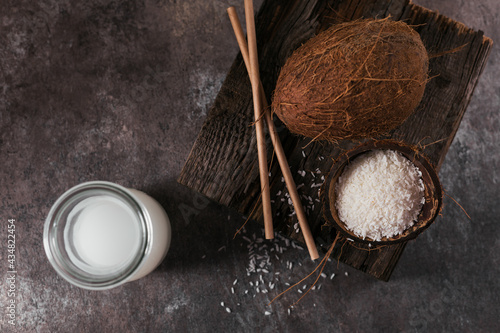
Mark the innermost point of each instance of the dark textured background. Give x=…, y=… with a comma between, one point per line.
x=118, y=90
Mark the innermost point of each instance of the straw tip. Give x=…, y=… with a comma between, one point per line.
x=269, y=235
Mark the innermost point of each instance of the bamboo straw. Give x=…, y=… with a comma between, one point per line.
x=280, y=153
x=259, y=124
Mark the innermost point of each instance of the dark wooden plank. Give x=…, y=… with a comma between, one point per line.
x=222, y=164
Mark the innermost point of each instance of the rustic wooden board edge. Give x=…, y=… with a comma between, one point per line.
x=484, y=46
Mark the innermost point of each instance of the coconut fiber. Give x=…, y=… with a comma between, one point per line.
x=355, y=80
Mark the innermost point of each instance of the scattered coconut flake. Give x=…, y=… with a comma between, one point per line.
x=261, y=267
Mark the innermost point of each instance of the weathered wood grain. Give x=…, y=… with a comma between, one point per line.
x=223, y=162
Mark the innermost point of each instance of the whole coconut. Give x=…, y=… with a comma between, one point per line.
x=355, y=80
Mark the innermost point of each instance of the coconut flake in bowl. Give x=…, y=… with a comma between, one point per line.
x=382, y=192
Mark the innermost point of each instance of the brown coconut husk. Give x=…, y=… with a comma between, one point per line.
x=355, y=80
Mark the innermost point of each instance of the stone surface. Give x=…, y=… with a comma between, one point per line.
x=118, y=91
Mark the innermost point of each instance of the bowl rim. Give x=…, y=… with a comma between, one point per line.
x=433, y=191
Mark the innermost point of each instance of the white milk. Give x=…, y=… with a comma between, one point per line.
x=106, y=233
x=160, y=233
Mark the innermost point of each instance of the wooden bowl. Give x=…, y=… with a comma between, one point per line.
x=432, y=191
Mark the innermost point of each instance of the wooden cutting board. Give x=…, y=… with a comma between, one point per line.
x=223, y=162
